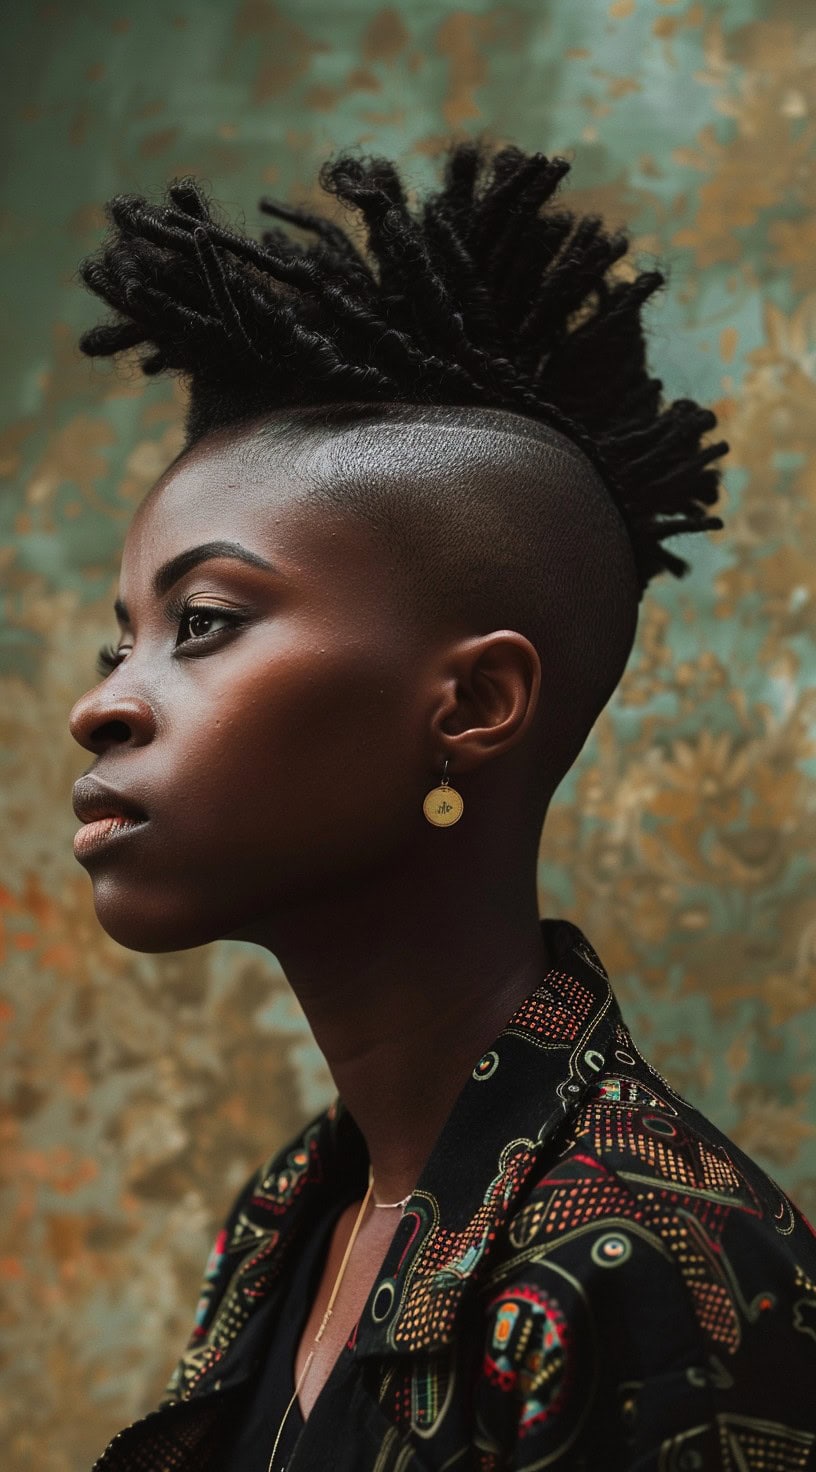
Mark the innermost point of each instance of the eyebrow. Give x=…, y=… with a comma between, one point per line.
x=170, y=572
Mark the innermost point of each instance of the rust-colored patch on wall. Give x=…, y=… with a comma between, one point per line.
x=459, y=40
x=386, y=37
x=283, y=48
x=157, y=143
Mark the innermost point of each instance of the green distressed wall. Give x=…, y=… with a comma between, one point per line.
x=140, y=1090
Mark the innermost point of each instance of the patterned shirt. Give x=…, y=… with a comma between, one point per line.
x=589, y=1276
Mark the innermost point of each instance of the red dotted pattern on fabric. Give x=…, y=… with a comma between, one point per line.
x=557, y=1011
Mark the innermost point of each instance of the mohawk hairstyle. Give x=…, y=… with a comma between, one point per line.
x=484, y=294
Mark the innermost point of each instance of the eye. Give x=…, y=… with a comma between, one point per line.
x=108, y=659
x=197, y=624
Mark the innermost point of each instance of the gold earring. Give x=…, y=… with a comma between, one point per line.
x=443, y=805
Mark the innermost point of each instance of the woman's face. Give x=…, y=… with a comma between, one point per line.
x=269, y=717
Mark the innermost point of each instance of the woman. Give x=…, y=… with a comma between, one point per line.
x=369, y=616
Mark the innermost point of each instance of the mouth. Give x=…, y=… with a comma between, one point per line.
x=101, y=832
x=107, y=816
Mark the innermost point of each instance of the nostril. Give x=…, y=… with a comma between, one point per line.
x=102, y=718
x=111, y=731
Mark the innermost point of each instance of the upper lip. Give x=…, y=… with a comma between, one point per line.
x=92, y=799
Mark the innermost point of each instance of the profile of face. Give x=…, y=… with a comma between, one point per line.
x=269, y=711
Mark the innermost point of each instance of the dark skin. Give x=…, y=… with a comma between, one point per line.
x=283, y=764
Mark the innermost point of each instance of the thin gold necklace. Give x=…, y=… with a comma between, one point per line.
x=327, y=1315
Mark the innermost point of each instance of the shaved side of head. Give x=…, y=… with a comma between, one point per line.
x=492, y=521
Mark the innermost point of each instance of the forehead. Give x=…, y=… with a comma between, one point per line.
x=280, y=486
x=214, y=483
x=227, y=488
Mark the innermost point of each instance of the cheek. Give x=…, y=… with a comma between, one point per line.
x=274, y=785
x=324, y=751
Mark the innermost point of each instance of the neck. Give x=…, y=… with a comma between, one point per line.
x=405, y=988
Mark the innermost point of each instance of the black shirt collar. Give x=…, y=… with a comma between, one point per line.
x=501, y=1134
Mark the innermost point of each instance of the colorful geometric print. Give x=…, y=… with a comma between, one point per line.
x=630, y=1119
x=431, y=1286
x=212, y=1273
x=556, y=1013
x=638, y=1178
x=432, y=1386
x=277, y=1189
x=681, y=1207
x=738, y=1444
x=245, y=1262
x=528, y=1352
x=684, y=1199
x=748, y=1442
x=209, y=1342
x=588, y=1275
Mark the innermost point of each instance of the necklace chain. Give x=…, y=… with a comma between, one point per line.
x=369, y=1195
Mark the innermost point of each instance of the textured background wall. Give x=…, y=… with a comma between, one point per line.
x=140, y=1090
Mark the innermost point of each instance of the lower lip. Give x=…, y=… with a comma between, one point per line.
x=104, y=831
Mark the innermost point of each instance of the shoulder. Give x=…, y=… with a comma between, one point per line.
x=274, y=1187
x=653, y=1280
x=247, y=1251
x=644, y=1180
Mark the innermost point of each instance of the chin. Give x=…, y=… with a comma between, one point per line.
x=149, y=923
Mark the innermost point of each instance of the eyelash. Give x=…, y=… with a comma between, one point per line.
x=178, y=609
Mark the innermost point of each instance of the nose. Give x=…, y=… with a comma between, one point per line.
x=100, y=719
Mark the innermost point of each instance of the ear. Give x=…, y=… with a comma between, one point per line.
x=492, y=684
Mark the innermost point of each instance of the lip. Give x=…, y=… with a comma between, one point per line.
x=103, y=832
x=93, y=800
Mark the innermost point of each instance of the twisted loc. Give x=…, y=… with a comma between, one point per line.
x=485, y=293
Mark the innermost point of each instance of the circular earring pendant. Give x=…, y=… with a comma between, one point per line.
x=443, y=805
